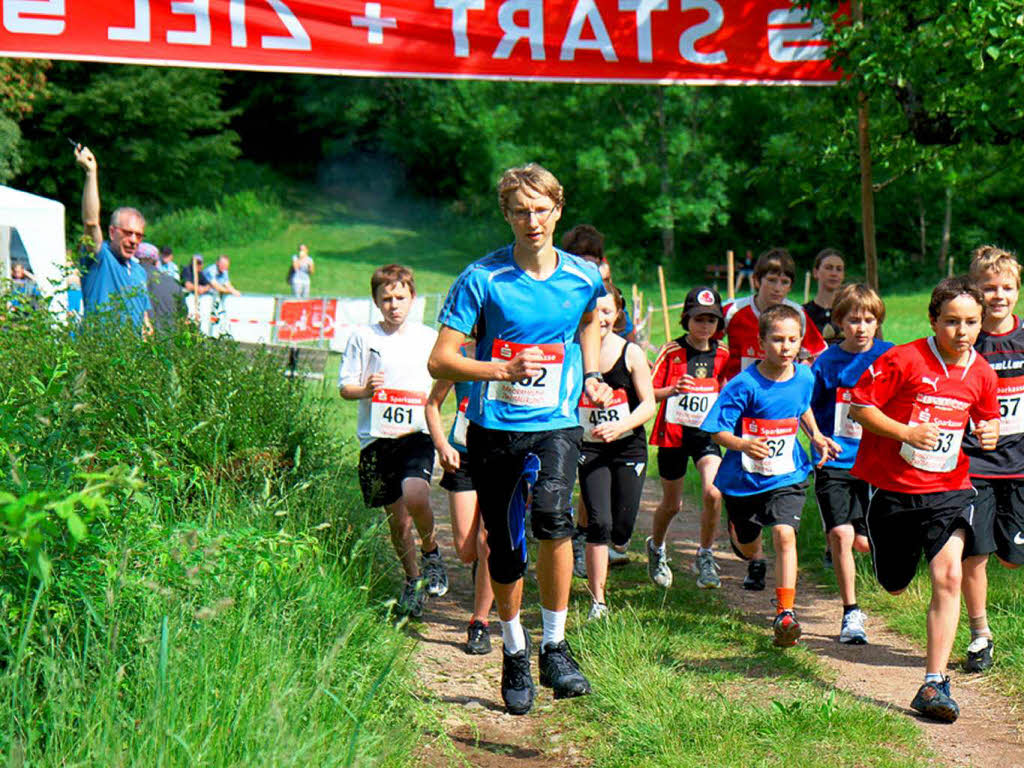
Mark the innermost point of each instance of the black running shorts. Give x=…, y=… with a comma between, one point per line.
x=781, y=506
x=460, y=480
x=903, y=526
x=386, y=462
x=496, y=467
x=842, y=498
x=696, y=445
x=998, y=519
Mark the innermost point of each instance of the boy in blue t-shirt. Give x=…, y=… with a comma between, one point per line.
x=843, y=498
x=538, y=344
x=763, y=476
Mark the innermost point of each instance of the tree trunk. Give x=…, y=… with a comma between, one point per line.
x=947, y=223
x=867, y=193
x=668, y=228
x=922, y=228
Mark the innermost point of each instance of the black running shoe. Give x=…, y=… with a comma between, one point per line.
x=756, y=570
x=933, y=700
x=478, y=638
x=516, y=680
x=579, y=560
x=560, y=672
x=979, y=655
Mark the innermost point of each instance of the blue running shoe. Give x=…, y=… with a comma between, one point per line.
x=933, y=701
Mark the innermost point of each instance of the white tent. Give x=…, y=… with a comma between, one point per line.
x=39, y=222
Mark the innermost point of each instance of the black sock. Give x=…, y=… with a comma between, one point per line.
x=851, y=607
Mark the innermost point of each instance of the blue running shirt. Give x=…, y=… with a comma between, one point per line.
x=836, y=373
x=512, y=311
x=764, y=408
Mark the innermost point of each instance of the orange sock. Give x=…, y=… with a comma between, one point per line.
x=784, y=598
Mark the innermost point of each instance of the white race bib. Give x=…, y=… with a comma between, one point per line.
x=461, y=424
x=591, y=415
x=780, y=439
x=944, y=457
x=396, y=412
x=691, y=406
x=753, y=356
x=1011, y=410
x=844, y=425
x=540, y=391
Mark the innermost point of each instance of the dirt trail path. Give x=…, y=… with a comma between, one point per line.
x=886, y=672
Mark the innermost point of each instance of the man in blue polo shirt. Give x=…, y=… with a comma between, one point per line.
x=538, y=342
x=113, y=282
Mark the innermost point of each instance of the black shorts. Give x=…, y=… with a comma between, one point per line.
x=386, y=462
x=780, y=506
x=496, y=469
x=842, y=499
x=902, y=526
x=998, y=519
x=460, y=480
x=696, y=445
x=611, y=483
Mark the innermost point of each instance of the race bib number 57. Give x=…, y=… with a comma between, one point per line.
x=780, y=439
x=1011, y=411
x=540, y=391
x=944, y=456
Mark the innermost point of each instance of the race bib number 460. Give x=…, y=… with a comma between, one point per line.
x=540, y=391
x=691, y=406
x=1011, y=411
x=592, y=415
x=944, y=456
x=780, y=439
x=395, y=412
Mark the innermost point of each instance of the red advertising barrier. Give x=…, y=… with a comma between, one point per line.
x=653, y=41
x=306, y=319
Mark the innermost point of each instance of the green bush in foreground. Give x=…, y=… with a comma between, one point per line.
x=215, y=605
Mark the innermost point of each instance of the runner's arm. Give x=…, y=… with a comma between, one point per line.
x=923, y=436
x=826, y=447
x=590, y=347
x=755, y=448
x=447, y=363
x=432, y=411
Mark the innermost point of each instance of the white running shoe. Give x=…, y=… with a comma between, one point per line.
x=853, y=632
x=657, y=565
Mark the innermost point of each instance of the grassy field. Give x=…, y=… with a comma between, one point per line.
x=710, y=687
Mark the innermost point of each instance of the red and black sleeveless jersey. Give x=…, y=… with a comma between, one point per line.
x=1005, y=353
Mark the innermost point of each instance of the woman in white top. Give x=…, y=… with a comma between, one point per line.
x=302, y=268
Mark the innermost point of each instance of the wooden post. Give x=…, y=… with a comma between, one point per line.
x=807, y=287
x=867, y=193
x=664, y=303
x=730, y=273
x=950, y=271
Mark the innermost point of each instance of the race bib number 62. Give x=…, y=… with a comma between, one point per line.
x=780, y=440
x=540, y=391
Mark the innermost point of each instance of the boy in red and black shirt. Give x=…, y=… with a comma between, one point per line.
x=997, y=476
x=914, y=403
x=774, y=274
x=688, y=375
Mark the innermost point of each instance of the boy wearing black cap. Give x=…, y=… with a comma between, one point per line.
x=688, y=375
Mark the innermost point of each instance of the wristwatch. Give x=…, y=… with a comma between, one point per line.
x=593, y=375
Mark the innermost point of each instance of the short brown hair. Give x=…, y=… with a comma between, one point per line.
x=620, y=305
x=951, y=288
x=857, y=296
x=584, y=240
x=777, y=314
x=991, y=258
x=391, y=273
x=824, y=253
x=536, y=177
x=775, y=261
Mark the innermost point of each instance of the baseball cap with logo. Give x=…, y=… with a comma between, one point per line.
x=702, y=300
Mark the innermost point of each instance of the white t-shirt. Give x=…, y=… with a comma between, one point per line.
x=402, y=358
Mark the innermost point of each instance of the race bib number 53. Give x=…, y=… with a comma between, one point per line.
x=780, y=439
x=395, y=412
x=944, y=456
x=540, y=391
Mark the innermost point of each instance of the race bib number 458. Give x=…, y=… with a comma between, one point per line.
x=395, y=412
x=540, y=391
x=944, y=456
x=780, y=439
x=592, y=415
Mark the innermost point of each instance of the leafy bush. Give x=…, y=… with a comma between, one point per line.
x=237, y=219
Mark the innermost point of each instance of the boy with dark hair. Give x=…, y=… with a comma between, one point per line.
x=914, y=403
x=538, y=346
x=842, y=498
x=997, y=476
x=384, y=367
x=763, y=476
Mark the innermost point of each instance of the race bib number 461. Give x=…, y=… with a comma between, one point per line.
x=780, y=439
x=395, y=412
x=944, y=456
x=540, y=391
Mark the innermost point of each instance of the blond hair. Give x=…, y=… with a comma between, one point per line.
x=536, y=177
x=857, y=296
x=990, y=258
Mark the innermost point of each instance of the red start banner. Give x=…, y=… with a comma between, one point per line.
x=307, y=319
x=616, y=41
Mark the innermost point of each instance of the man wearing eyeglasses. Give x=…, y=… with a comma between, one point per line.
x=113, y=281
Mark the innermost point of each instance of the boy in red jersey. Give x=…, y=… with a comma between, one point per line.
x=687, y=378
x=774, y=274
x=914, y=402
x=997, y=476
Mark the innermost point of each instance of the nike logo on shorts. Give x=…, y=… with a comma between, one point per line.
x=1018, y=539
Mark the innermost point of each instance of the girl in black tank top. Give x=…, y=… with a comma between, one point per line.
x=613, y=462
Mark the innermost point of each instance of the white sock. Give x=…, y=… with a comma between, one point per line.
x=512, y=635
x=933, y=677
x=702, y=550
x=554, y=626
